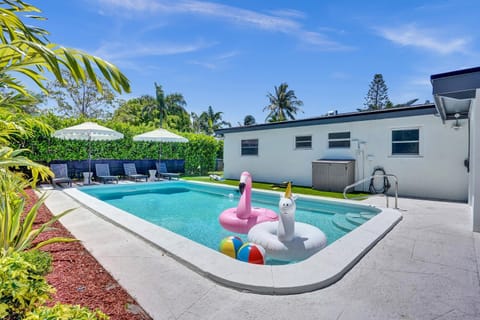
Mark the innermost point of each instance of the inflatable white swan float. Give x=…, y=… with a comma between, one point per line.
x=286, y=239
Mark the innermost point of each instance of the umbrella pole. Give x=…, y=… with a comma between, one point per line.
x=89, y=159
x=160, y=153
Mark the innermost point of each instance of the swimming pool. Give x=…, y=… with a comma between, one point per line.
x=191, y=210
x=320, y=270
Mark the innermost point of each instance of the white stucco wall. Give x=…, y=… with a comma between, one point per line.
x=438, y=172
x=474, y=182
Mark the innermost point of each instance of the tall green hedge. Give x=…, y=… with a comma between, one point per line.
x=199, y=153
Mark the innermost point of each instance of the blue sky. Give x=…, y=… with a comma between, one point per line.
x=230, y=54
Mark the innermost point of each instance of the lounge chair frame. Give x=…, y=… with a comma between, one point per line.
x=131, y=172
x=102, y=171
x=163, y=172
x=60, y=170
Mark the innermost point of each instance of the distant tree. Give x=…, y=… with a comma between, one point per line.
x=284, y=104
x=377, y=96
x=196, y=123
x=132, y=111
x=160, y=97
x=248, y=120
x=77, y=99
x=208, y=121
x=177, y=116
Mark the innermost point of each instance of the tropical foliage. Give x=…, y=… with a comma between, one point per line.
x=24, y=291
x=148, y=110
x=209, y=121
x=283, y=105
x=25, y=50
x=133, y=112
x=16, y=229
x=22, y=287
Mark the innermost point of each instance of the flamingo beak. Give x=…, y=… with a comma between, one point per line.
x=243, y=182
x=241, y=187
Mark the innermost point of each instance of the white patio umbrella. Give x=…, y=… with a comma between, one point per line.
x=160, y=135
x=90, y=131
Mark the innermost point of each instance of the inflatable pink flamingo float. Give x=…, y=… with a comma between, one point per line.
x=242, y=218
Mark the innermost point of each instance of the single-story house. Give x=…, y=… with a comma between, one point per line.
x=433, y=149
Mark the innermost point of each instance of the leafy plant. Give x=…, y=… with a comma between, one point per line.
x=65, y=312
x=42, y=261
x=21, y=287
x=24, y=290
x=17, y=234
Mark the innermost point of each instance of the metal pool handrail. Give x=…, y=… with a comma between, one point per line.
x=369, y=178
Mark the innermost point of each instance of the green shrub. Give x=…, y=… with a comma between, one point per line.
x=40, y=259
x=22, y=289
x=199, y=153
x=65, y=312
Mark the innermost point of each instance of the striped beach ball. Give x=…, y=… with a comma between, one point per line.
x=251, y=253
x=230, y=246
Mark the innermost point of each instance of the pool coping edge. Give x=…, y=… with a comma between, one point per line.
x=319, y=271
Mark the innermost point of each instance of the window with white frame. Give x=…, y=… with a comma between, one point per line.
x=406, y=141
x=303, y=142
x=339, y=140
x=250, y=147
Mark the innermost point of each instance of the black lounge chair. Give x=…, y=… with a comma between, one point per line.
x=163, y=172
x=131, y=172
x=102, y=170
x=60, y=170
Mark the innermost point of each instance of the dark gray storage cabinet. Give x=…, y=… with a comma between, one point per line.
x=332, y=175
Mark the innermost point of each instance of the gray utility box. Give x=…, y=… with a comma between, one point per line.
x=332, y=175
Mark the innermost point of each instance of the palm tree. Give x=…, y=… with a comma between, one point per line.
x=178, y=117
x=25, y=50
x=160, y=97
x=196, y=125
x=284, y=104
x=209, y=121
x=155, y=107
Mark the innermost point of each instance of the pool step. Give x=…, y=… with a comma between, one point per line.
x=350, y=220
x=339, y=220
x=358, y=218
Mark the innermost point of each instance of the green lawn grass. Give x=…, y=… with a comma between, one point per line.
x=271, y=186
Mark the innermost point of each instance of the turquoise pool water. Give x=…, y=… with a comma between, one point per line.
x=192, y=210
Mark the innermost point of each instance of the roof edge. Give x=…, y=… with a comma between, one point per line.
x=422, y=109
x=454, y=73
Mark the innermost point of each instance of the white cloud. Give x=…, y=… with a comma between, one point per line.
x=291, y=13
x=412, y=35
x=283, y=21
x=123, y=50
x=215, y=62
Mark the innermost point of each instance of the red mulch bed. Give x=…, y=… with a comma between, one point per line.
x=79, y=279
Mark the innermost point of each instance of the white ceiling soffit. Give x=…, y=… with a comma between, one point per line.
x=454, y=92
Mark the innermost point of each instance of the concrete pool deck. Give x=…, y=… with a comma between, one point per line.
x=427, y=267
